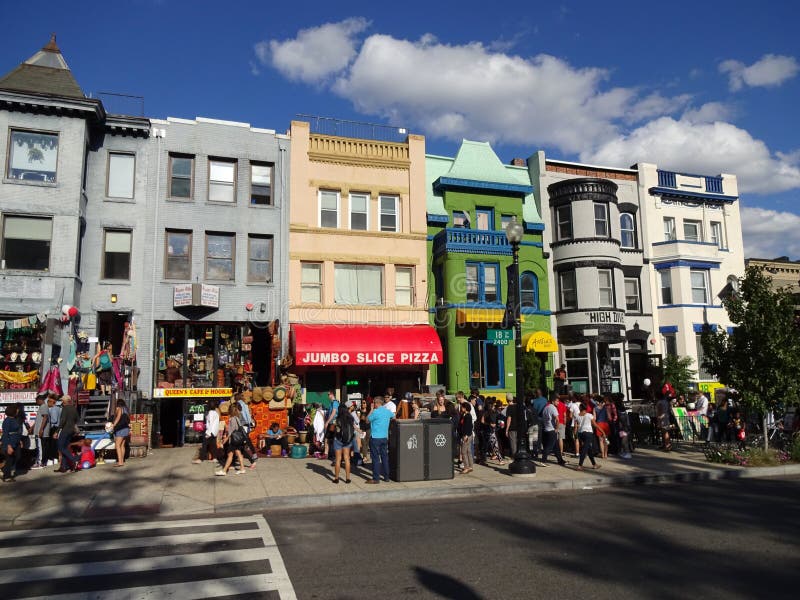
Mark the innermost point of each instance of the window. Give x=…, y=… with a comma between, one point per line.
x=26, y=243
x=564, y=225
x=121, y=168
x=601, y=219
x=328, y=209
x=669, y=229
x=578, y=370
x=484, y=218
x=260, y=184
x=699, y=286
x=482, y=282
x=716, y=234
x=568, y=290
x=609, y=361
x=359, y=206
x=179, y=255
x=181, y=174
x=311, y=282
x=666, y=286
x=605, y=279
x=358, y=284
x=404, y=286
x=219, y=256
x=388, y=207
x=670, y=344
x=32, y=156
x=692, y=231
x=486, y=359
x=221, y=181
x=632, y=303
x=460, y=219
x=702, y=373
x=529, y=288
x=627, y=230
x=259, y=258
x=117, y=254
x=505, y=220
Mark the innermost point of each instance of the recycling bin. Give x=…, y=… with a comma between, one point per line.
x=406, y=450
x=438, y=449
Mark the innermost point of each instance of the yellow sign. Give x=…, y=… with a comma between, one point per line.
x=708, y=387
x=191, y=392
x=539, y=341
x=480, y=315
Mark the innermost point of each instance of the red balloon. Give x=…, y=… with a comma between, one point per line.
x=72, y=312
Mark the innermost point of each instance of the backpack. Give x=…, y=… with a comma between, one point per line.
x=104, y=361
x=530, y=416
x=345, y=430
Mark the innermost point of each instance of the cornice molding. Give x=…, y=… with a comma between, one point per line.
x=355, y=258
x=384, y=235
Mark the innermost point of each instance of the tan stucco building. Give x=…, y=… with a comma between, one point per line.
x=358, y=267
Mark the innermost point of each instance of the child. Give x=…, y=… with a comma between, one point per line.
x=738, y=427
x=87, y=459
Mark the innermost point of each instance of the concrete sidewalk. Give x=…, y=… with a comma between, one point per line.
x=166, y=483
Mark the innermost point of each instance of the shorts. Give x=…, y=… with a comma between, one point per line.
x=337, y=445
x=105, y=377
x=122, y=433
x=562, y=431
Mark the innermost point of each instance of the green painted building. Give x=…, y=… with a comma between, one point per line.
x=470, y=200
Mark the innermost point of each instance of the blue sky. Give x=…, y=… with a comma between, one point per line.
x=704, y=87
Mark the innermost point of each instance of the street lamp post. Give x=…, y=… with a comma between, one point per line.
x=522, y=465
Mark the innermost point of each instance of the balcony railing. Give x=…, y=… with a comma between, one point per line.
x=355, y=129
x=470, y=241
x=705, y=183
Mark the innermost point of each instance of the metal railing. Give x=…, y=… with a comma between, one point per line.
x=454, y=239
x=355, y=129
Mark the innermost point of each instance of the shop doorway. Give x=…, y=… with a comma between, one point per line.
x=637, y=357
x=111, y=328
x=262, y=356
x=171, y=422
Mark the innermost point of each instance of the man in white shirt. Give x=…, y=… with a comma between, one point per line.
x=574, y=408
x=701, y=406
x=390, y=403
x=212, y=432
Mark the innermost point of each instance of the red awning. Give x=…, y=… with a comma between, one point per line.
x=365, y=345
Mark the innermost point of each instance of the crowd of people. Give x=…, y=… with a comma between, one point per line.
x=483, y=429
x=53, y=438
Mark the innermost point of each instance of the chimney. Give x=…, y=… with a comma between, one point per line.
x=519, y=162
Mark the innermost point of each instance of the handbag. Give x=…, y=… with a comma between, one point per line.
x=238, y=437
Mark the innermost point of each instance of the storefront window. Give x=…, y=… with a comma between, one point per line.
x=578, y=370
x=21, y=355
x=198, y=355
x=486, y=363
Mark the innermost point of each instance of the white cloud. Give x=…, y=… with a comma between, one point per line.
x=770, y=71
x=475, y=91
x=457, y=91
x=702, y=148
x=770, y=233
x=708, y=113
x=316, y=53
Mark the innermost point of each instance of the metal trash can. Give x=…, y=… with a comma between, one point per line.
x=406, y=450
x=438, y=449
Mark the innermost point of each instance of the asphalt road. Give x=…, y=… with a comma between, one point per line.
x=726, y=539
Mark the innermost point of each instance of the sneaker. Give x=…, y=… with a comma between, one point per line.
x=51, y=462
x=220, y=473
x=626, y=455
x=240, y=471
x=36, y=467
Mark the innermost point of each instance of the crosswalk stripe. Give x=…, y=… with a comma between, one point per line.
x=227, y=557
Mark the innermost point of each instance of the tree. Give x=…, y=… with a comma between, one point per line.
x=761, y=357
x=532, y=371
x=678, y=371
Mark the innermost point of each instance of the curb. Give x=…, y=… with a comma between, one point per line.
x=288, y=503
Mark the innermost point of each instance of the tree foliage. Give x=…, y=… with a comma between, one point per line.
x=678, y=371
x=761, y=357
x=532, y=371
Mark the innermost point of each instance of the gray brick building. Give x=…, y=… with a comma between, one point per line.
x=176, y=226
